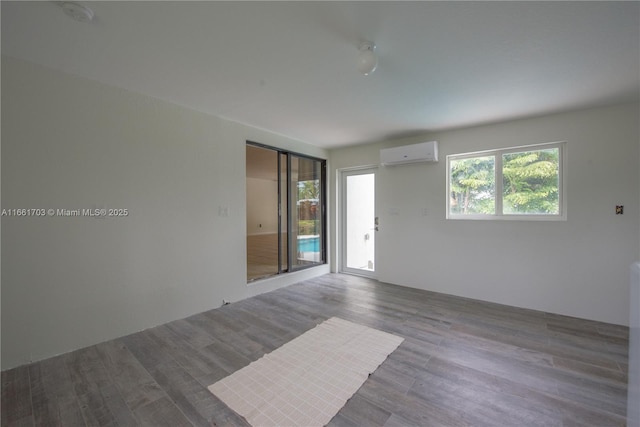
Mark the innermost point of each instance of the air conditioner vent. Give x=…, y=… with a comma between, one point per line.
x=415, y=153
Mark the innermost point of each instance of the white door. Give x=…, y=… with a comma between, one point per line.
x=359, y=222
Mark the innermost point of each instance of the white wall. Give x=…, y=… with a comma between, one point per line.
x=578, y=267
x=69, y=282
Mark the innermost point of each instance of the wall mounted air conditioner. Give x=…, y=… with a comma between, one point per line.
x=423, y=152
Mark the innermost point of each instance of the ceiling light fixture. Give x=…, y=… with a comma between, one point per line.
x=77, y=11
x=367, y=58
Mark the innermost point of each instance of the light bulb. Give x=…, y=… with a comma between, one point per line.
x=367, y=60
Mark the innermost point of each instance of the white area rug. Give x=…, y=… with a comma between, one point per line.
x=306, y=381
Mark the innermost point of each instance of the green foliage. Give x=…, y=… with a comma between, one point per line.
x=529, y=179
x=472, y=185
x=309, y=189
x=530, y=182
x=308, y=227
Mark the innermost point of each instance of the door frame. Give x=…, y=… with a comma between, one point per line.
x=342, y=215
x=285, y=257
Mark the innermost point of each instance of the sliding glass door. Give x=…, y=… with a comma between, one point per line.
x=285, y=211
x=306, y=211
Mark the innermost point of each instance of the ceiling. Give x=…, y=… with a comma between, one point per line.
x=289, y=67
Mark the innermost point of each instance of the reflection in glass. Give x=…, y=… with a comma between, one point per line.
x=262, y=212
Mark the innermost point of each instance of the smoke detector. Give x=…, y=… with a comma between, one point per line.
x=77, y=11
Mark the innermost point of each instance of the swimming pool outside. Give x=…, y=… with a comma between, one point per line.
x=309, y=243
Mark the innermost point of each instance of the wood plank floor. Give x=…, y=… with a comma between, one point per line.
x=463, y=363
x=262, y=255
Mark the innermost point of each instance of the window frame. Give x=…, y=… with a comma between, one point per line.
x=499, y=215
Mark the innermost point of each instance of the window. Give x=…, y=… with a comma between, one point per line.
x=286, y=219
x=514, y=183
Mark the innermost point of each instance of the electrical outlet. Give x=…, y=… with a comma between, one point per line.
x=619, y=209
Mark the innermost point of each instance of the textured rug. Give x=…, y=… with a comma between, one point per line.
x=306, y=381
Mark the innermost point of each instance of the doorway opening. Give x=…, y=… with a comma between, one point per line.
x=359, y=222
x=286, y=215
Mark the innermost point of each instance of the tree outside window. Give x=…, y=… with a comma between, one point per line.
x=528, y=180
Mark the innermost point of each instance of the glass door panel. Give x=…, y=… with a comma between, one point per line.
x=306, y=213
x=262, y=213
x=359, y=222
